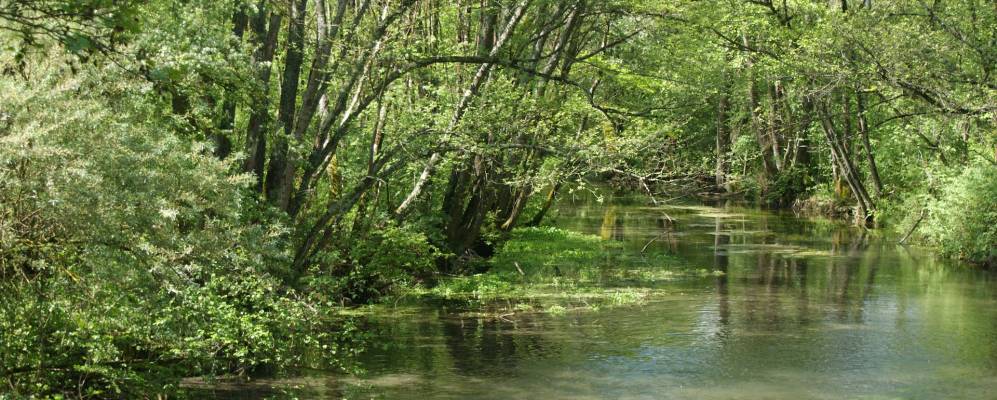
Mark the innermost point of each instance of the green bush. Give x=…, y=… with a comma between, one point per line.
x=127, y=258
x=788, y=186
x=372, y=267
x=963, y=220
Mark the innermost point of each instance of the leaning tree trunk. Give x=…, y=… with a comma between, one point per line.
x=869, y=155
x=846, y=168
x=548, y=202
x=462, y=105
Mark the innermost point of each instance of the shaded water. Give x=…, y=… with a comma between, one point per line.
x=806, y=310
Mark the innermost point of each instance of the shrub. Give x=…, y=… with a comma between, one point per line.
x=963, y=220
x=372, y=267
x=127, y=260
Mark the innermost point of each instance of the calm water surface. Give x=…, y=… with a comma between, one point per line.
x=806, y=310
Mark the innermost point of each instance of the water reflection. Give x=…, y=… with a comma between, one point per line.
x=803, y=310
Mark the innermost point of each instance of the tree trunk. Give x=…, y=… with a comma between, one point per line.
x=279, y=177
x=462, y=105
x=517, y=208
x=722, y=142
x=548, y=202
x=373, y=155
x=319, y=235
x=845, y=167
x=769, y=169
x=336, y=122
x=776, y=124
x=223, y=144
x=264, y=36
x=870, y=156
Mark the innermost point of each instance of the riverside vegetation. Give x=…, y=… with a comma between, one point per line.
x=195, y=188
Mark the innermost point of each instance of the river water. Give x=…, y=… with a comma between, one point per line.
x=805, y=309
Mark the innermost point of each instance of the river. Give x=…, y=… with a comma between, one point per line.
x=804, y=309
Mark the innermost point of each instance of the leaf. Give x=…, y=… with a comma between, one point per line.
x=78, y=44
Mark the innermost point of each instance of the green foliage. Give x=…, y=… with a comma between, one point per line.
x=547, y=247
x=131, y=256
x=555, y=270
x=963, y=220
x=788, y=186
x=368, y=269
x=84, y=27
x=127, y=256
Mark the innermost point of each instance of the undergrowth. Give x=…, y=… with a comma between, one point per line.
x=551, y=270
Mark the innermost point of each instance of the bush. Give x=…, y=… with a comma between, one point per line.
x=387, y=258
x=963, y=220
x=788, y=186
x=127, y=260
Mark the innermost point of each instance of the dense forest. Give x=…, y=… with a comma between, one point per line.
x=195, y=187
